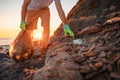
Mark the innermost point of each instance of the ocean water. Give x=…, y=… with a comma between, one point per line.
x=5, y=41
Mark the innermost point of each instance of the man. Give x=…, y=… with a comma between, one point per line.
x=33, y=9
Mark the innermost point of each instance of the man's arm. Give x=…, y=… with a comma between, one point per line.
x=24, y=9
x=61, y=12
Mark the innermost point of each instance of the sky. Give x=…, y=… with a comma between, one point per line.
x=10, y=17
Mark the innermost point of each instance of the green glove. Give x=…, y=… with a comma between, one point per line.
x=23, y=25
x=68, y=30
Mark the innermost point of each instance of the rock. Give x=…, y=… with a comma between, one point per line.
x=90, y=75
x=88, y=30
x=102, y=54
x=85, y=69
x=80, y=59
x=115, y=75
x=99, y=65
x=111, y=55
x=93, y=67
x=118, y=65
x=2, y=55
x=45, y=73
x=58, y=67
x=92, y=48
x=67, y=71
x=90, y=54
x=112, y=20
x=109, y=68
x=1, y=48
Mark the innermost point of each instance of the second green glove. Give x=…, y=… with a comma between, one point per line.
x=67, y=30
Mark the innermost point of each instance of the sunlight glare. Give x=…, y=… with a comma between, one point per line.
x=38, y=35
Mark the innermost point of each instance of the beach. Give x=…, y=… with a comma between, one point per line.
x=5, y=44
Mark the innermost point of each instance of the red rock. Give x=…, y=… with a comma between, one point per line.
x=59, y=61
x=112, y=20
x=99, y=65
x=89, y=54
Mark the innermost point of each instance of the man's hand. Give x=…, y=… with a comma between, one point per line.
x=68, y=30
x=23, y=25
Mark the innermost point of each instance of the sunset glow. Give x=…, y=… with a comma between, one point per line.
x=37, y=35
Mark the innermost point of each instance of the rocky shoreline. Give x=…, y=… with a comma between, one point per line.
x=97, y=58
x=96, y=23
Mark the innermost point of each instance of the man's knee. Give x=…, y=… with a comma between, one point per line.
x=45, y=24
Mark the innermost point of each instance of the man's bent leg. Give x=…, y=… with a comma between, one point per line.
x=31, y=21
x=45, y=21
x=45, y=37
x=30, y=32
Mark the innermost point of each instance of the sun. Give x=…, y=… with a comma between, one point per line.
x=37, y=35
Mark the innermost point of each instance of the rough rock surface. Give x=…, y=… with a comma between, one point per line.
x=97, y=24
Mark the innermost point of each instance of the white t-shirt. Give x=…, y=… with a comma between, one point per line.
x=39, y=4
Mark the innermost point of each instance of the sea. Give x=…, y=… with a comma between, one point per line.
x=5, y=41
x=5, y=44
